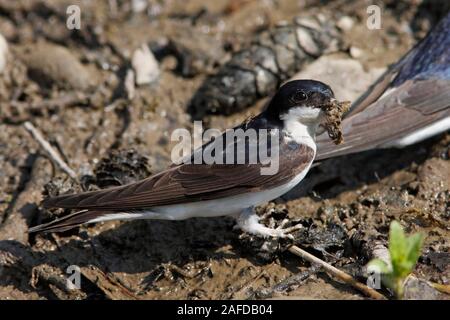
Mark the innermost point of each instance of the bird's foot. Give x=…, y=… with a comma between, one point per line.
x=266, y=215
x=248, y=221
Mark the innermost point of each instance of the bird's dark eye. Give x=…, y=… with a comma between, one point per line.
x=299, y=96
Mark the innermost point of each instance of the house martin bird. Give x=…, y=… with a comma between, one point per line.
x=296, y=112
x=408, y=104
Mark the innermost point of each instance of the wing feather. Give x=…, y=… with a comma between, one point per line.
x=410, y=107
x=189, y=182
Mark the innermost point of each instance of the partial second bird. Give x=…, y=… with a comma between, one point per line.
x=296, y=112
x=408, y=104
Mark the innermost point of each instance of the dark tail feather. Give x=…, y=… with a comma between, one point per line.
x=67, y=222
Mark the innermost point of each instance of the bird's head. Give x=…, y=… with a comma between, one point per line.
x=301, y=100
x=308, y=102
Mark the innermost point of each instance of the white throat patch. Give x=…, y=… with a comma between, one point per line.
x=301, y=124
x=303, y=114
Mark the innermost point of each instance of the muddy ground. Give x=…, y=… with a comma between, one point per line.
x=84, y=111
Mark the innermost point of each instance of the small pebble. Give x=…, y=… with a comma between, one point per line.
x=345, y=23
x=138, y=6
x=3, y=52
x=129, y=84
x=145, y=66
x=53, y=63
x=356, y=52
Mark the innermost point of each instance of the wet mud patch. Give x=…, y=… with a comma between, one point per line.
x=333, y=115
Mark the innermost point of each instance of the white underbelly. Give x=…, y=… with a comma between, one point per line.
x=209, y=208
x=226, y=206
x=421, y=134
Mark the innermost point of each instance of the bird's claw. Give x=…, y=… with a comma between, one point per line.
x=281, y=232
x=248, y=221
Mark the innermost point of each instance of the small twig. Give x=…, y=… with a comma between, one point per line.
x=54, y=155
x=337, y=273
x=444, y=288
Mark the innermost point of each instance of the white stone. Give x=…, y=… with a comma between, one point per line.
x=345, y=23
x=138, y=6
x=145, y=66
x=3, y=52
x=356, y=52
x=129, y=84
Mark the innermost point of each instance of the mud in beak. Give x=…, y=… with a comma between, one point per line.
x=333, y=113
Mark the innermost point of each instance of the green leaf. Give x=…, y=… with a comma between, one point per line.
x=378, y=265
x=404, y=252
x=414, y=246
x=403, y=269
x=397, y=244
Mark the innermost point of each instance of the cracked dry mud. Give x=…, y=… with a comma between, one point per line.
x=344, y=205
